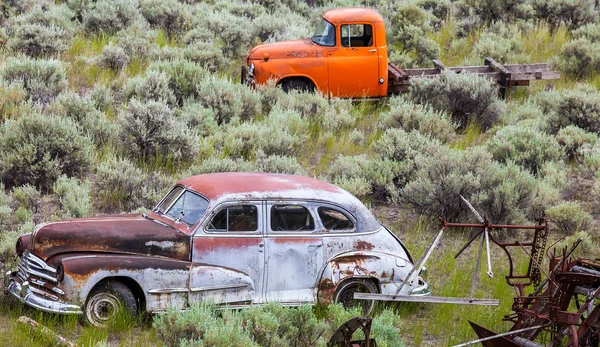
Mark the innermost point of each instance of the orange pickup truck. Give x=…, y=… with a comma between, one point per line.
x=347, y=57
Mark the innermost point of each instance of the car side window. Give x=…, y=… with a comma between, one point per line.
x=356, y=35
x=237, y=218
x=334, y=220
x=291, y=218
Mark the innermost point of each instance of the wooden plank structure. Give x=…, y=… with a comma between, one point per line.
x=505, y=75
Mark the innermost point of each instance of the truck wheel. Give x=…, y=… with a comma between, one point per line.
x=106, y=302
x=297, y=85
x=344, y=294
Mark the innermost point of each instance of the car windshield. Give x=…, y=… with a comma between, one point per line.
x=183, y=205
x=325, y=34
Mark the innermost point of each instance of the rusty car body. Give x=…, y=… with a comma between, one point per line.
x=229, y=238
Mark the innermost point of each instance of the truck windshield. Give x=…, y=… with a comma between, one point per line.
x=325, y=34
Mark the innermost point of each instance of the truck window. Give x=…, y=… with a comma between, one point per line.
x=357, y=35
x=325, y=34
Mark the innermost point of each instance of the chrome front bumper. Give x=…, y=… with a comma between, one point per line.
x=23, y=293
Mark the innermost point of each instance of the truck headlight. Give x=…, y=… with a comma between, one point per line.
x=251, y=70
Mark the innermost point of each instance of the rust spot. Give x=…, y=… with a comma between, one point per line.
x=326, y=291
x=363, y=245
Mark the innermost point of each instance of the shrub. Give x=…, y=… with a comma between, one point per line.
x=441, y=178
x=339, y=115
x=527, y=147
x=214, y=164
x=408, y=28
x=184, y=77
x=279, y=164
x=12, y=96
x=170, y=15
x=569, y=217
x=110, y=16
x=38, y=40
x=152, y=87
x=506, y=194
x=490, y=11
x=207, y=54
x=120, y=186
x=8, y=240
x=148, y=129
x=41, y=79
x=89, y=120
x=229, y=100
x=232, y=31
x=73, y=196
x=580, y=57
x=575, y=142
x=502, y=43
x=102, y=97
x=410, y=116
x=198, y=118
x=467, y=97
x=28, y=196
x=113, y=57
x=275, y=325
x=137, y=40
x=586, y=249
x=572, y=13
x=363, y=175
x=579, y=107
x=247, y=139
x=36, y=149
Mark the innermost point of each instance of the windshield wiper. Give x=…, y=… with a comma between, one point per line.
x=159, y=222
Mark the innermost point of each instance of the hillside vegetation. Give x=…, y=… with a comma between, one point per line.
x=105, y=104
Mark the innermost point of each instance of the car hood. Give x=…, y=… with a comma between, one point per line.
x=124, y=234
x=303, y=48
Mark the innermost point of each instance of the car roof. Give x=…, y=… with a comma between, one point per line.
x=228, y=186
x=352, y=14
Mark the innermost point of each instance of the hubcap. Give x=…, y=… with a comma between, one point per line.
x=102, y=308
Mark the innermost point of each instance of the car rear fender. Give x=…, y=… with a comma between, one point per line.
x=383, y=268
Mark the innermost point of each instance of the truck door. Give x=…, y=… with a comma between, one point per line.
x=354, y=66
x=294, y=253
x=228, y=256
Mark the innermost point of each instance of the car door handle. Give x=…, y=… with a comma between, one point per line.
x=372, y=50
x=261, y=247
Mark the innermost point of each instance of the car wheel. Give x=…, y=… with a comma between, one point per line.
x=345, y=295
x=297, y=85
x=106, y=302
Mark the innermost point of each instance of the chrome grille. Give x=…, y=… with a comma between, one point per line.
x=41, y=276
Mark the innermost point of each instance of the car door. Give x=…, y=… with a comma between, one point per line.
x=228, y=256
x=354, y=66
x=294, y=253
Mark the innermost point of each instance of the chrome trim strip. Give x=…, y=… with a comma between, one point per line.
x=231, y=286
x=167, y=291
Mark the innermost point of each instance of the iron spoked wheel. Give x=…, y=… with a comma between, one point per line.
x=107, y=302
x=345, y=295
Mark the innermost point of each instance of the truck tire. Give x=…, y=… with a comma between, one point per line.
x=297, y=85
x=107, y=301
x=344, y=294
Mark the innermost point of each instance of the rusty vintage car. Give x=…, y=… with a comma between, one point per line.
x=230, y=238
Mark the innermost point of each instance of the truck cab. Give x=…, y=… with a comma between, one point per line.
x=346, y=57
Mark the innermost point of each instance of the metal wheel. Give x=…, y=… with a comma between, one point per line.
x=106, y=302
x=345, y=294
